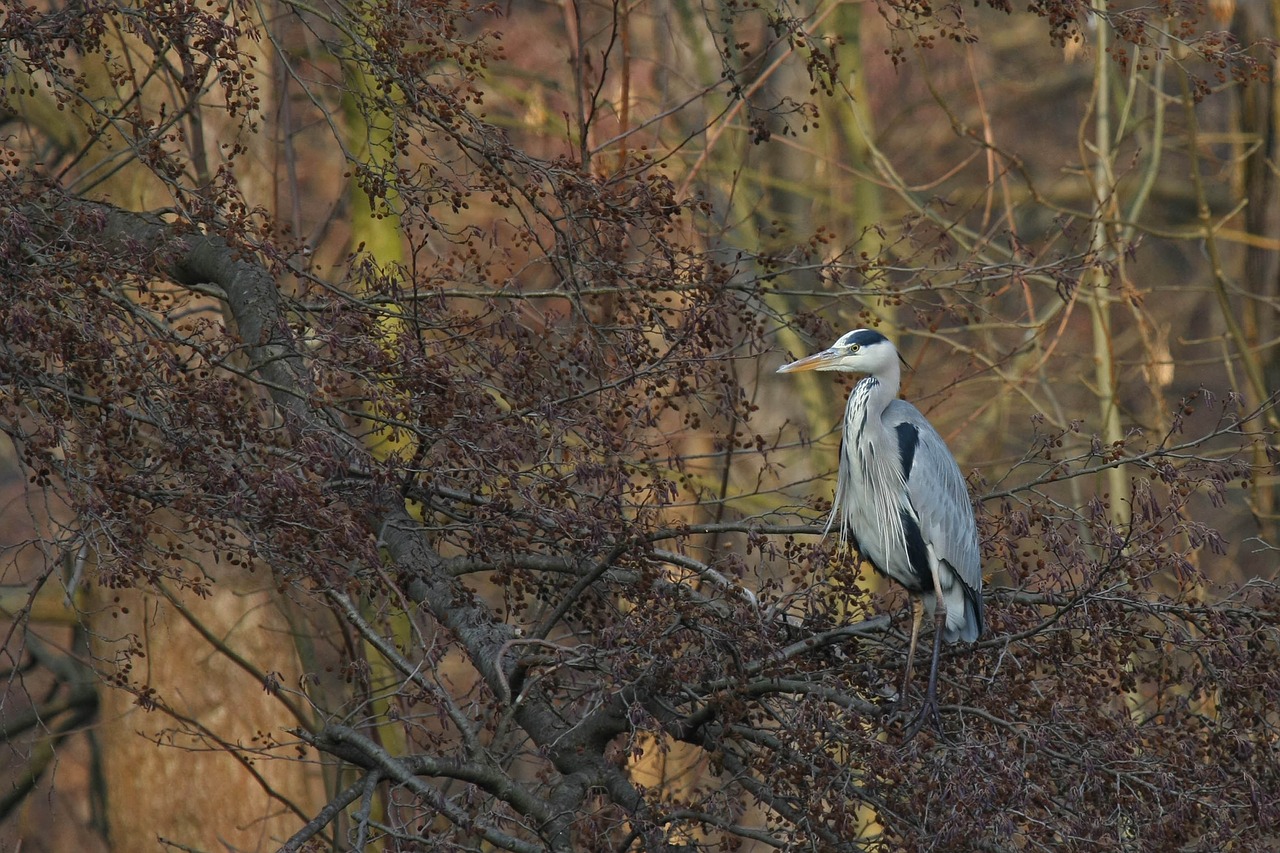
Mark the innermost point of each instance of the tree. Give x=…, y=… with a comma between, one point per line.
x=486, y=516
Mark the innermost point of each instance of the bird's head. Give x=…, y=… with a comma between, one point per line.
x=859, y=351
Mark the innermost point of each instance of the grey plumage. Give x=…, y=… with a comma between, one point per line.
x=900, y=499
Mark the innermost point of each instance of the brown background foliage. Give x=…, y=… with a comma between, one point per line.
x=395, y=459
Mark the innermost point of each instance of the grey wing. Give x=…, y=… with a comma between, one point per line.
x=938, y=493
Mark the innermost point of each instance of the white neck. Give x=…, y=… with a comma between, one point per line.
x=888, y=381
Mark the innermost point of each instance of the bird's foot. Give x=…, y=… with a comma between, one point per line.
x=929, y=710
x=928, y=713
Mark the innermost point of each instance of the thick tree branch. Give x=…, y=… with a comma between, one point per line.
x=355, y=748
x=254, y=303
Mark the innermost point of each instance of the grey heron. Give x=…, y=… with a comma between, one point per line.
x=901, y=500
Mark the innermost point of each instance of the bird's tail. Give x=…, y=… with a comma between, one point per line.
x=966, y=614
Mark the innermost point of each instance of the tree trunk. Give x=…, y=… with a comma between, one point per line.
x=164, y=739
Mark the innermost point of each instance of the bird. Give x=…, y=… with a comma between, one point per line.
x=901, y=501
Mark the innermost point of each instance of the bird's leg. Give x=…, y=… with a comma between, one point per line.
x=917, y=614
x=930, y=708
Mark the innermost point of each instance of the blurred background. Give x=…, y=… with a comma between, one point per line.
x=1067, y=217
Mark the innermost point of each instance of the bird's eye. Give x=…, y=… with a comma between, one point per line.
x=854, y=347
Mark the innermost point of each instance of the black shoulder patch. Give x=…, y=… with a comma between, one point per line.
x=917, y=554
x=908, y=437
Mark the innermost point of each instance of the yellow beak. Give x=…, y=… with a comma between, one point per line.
x=824, y=360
